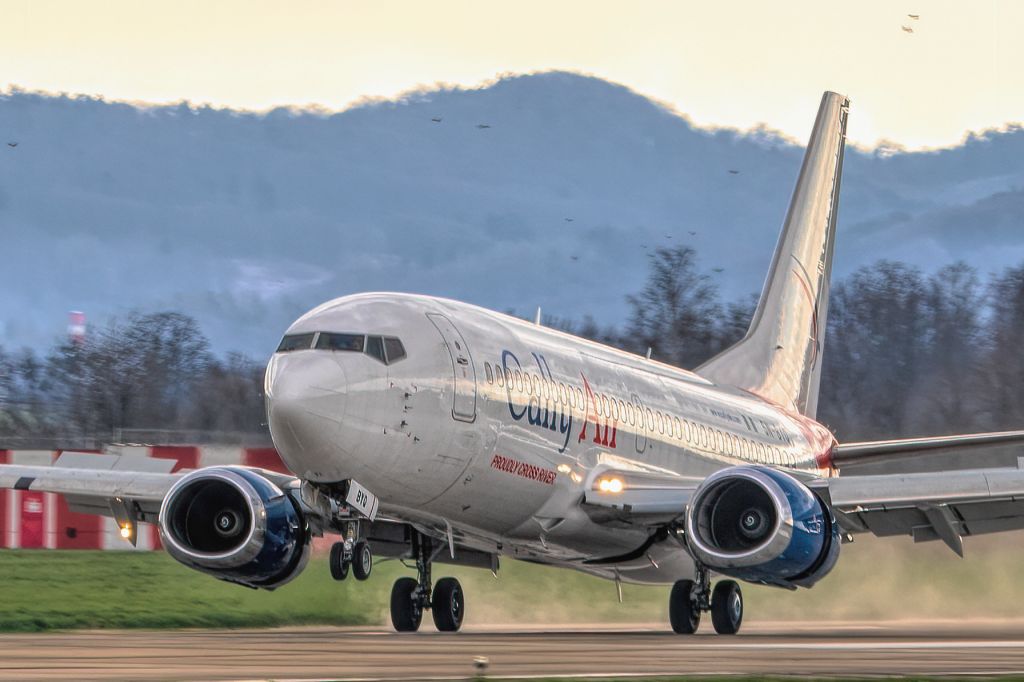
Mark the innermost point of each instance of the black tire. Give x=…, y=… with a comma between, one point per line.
x=339, y=567
x=448, y=605
x=727, y=607
x=406, y=614
x=682, y=611
x=362, y=560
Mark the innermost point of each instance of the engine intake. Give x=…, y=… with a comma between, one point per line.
x=235, y=524
x=762, y=525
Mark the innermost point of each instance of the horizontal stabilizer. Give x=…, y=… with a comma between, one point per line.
x=883, y=450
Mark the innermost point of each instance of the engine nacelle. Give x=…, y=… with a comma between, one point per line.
x=762, y=525
x=236, y=525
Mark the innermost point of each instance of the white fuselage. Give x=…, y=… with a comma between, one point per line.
x=496, y=428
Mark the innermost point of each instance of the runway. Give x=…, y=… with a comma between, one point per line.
x=321, y=653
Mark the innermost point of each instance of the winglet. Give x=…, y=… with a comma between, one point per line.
x=779, y=359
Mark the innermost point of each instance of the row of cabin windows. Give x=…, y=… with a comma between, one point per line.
x=387, y=349
x=652, y=421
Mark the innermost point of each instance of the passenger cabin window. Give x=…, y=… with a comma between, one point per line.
x=329, y=341
x=296, y=342
x=487, y=369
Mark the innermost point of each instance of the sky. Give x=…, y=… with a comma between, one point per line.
x=736, y=64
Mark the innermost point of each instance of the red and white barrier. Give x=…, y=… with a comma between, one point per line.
x=35, y=520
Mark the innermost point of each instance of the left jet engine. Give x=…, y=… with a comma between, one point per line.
x=235, y=524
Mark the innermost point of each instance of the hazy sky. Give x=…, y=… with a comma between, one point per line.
x=735, y=63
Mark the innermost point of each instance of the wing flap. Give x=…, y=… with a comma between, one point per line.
x=931, y=506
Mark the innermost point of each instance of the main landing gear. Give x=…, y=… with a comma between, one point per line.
x=691, y=597
x=411, y=596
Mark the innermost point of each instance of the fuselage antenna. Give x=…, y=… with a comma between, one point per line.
x=536, y=319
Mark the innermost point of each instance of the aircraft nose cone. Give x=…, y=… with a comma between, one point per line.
x=306, y=396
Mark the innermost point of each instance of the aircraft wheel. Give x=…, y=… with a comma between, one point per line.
x=727, y=607
x=362, y=560
x=339, y=566
x=406, y=613
x=683, y=612
x=448, y=605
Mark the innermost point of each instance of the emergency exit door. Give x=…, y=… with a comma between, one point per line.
x=464, y=395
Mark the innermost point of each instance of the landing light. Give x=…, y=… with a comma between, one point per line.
x=126, y=531
x=610, y=485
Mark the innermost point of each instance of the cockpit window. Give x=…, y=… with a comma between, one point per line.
x=353, y=342
x=394, y=349
x=375, y=348
x=295, y=342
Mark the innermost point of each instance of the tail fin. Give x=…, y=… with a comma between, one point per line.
x=779, y=359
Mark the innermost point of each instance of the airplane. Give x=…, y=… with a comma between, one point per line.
x=440, y=432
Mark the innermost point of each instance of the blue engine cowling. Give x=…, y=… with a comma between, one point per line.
x=762, y=525
x=235, y=524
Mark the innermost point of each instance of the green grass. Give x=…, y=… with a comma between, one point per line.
x=875, y=579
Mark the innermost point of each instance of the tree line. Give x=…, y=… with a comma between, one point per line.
x=906, y=353
x=143, y=372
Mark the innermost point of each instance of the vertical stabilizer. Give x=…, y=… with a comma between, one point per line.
x=779, y=359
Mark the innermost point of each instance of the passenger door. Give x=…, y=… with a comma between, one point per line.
x=464, y=398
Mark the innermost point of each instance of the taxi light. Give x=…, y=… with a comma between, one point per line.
x=126, y=531
x=563, y=468
x=610, y=485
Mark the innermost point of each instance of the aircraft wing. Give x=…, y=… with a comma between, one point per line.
x=645, y=500
x=929, y=506
x=943, y=505
x=98, y=484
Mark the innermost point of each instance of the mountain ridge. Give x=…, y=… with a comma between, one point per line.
x=246, y=219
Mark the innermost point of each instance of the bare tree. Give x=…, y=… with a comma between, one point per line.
x=873, y=351
x=675, y=313
x=1003, y=364
x=947, y=388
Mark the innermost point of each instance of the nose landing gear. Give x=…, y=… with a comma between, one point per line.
x=690, y=598
x=351, y=554
x=410, y=597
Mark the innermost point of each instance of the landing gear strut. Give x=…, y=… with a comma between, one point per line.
x=689, y=598
x=410, y=597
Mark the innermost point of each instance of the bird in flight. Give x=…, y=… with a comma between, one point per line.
x=482, y=125
x=733, y=172
x=692, y=233
x=575, y=257
x=12, y=144
x=569, y=220
x=915, y=17
x=907, y=29
x=717, y=270
x=436, y=120
x=668, y=236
